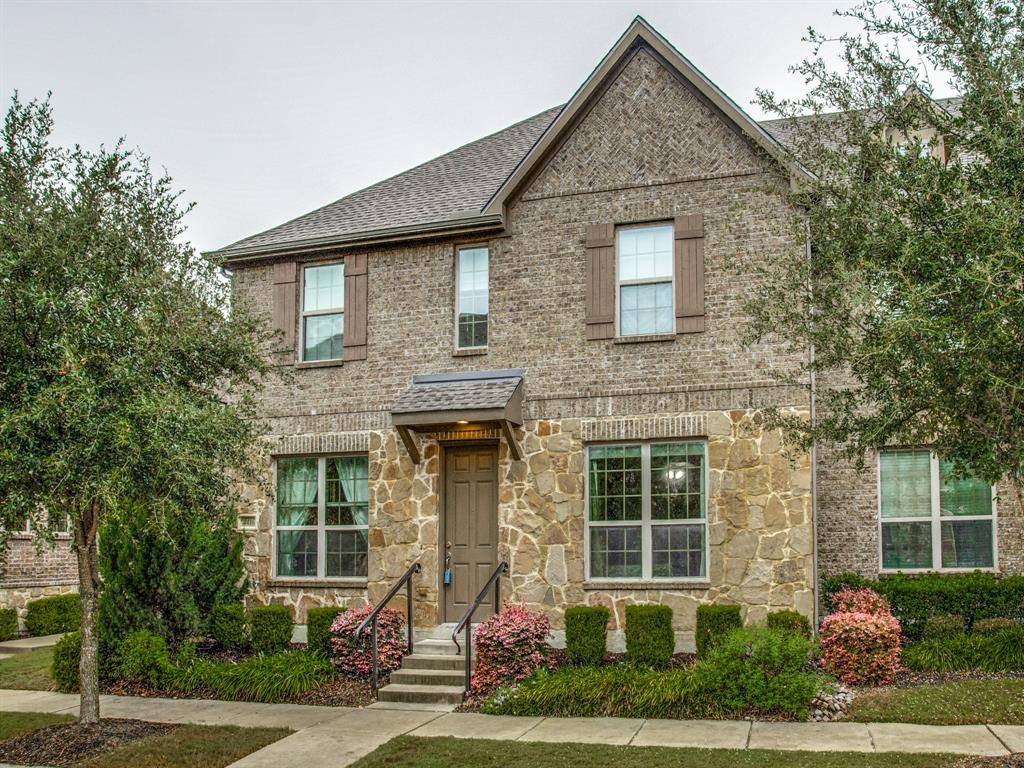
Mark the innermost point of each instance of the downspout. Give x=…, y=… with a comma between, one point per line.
x=814, y=447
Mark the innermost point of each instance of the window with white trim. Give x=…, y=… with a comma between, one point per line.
x=322, y=521
x=323, y=311
x=645, y=273
x=647, y=511
x=471, y=289
x=931, y=519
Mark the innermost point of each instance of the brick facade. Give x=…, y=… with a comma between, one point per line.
x=29, y=570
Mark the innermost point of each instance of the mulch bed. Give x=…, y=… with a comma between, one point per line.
x=69, y=743
x=1010, y=761
x=341, y=692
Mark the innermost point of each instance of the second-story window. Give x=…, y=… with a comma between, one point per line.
x=471, y=297
x=323, y=312
x=644, y=256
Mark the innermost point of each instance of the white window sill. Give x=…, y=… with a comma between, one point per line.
x=644, y=338
x=648, y=584
x=319, y=363
x=926, y=571
x=283, y=581
x=469, y=351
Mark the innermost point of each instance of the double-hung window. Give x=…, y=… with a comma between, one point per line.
x=930, y=519
x=323, y=312
x=322, y=517
x=647, y=511
x=645, y=274
x=471, y=289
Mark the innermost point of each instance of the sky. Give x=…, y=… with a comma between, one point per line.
x=264, y=111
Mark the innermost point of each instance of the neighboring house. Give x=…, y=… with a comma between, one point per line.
x=529, y=350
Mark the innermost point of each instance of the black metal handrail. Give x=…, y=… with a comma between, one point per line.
x=371, y=620
x=467, y=618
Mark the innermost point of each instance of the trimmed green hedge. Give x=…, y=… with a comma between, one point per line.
x=650, y=641
x=714, y=622
x=271, y=628
x=318, y=630
x=64, y=667
x=974, y=596
x=586, y=634
x=790, y=621
x=54, y=615
x=942, y=626
x=8, y=624
x=228, y=626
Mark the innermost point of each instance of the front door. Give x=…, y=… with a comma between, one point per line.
x=470, y=527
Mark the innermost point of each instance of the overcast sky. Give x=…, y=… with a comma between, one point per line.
x=264, y=111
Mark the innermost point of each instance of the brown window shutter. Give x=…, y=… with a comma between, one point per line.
x=355, y=307
x=689, y=267
x=600, y=282
x=283, y=318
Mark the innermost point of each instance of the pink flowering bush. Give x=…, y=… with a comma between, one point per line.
x=510, y=646
x=354, y=657
x=860, y=642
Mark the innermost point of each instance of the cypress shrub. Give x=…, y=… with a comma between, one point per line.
x=790, y=621
x=586, y=634
x=8, y=624
x=271, y=628
x=53, y=615
x=228, y=626
x=318, y=630
x=650, y=641
x=714, y=622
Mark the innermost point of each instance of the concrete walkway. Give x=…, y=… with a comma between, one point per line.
x=26, y=644
x=334, y=737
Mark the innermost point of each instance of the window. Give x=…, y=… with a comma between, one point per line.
x=323, y=312
x=645, y=280
x=471, y=297
x=930, y=519
x=322, y=508
x=647, y=514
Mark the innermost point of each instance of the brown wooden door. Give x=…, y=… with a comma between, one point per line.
x=470, y=527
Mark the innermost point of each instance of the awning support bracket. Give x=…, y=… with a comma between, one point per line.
x=510, y=439
x=410, y=443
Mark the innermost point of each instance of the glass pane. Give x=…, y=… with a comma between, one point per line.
x=616, y=483
x=473, y=297
x=324, y=337
x=677, y=481
x=962, y=496
x=645, y=252
x=907, y=545
x=347, y=487
x=296, y=492
x=645, y=309
x=967, y=544
x=346, y=553
x=323, y=288
x=677, y=551
x=615, y=553
x=906, y=483
x=296, y=553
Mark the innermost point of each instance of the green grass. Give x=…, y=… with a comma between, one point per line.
x=15, y=723
x=190, y=746
x=414, y=752
x=964, y=702
x=27, y=671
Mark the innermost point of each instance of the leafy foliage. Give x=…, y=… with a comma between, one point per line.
x=993, y=626
x=943, y=626
x=229, y=626
x=8, y=624
x=53, y=615
x=944, y=654
x=268, y=679
x=271, y=628
x=318, y=630
x=66, y=656
x=586, y=634
x=860, y=642
x=912, y=297
x=144, y=659
x=714, y=622
x=790, y=621
x=510, y=645
x=650, y=641
x=861, y=600
x=354, y=655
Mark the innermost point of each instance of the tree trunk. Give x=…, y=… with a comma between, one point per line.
x=89, y=582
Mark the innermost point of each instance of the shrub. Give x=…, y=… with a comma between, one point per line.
x=1003, y=651
x=53, y=615
x=993, y=626
x=510, y=645
x=586, y=634
x=790, y=621
x=268, y=679
x=650, y=641
x=270, y=628
x=941, y=626
x=615, y=691
x=354, y=656
x=64, y=667
x=863, y=600
x=8, y=624
x=861, y=648
x=765, y=672
x=944, y=654
x=228, y=626
x=318, y=630
x=144, y=659
x=714, y=622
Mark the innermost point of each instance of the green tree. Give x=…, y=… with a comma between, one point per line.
x=123, y=374
x=911, y=299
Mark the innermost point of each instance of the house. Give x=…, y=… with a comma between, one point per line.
x=528, y=350
x=30, y=569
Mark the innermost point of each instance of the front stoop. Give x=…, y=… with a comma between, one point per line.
x=433, y=674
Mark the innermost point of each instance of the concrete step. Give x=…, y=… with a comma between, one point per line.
x=421, y=694
x=406, y=676
x=428, y=661
x=403, y=706
x=436, y=647
x=26, y=644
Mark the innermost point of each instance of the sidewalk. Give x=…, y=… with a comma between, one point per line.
x=333, y=737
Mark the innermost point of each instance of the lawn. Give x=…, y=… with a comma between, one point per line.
x=963, y=702
x=27, y=671
x=15, y=723
x=414, y=752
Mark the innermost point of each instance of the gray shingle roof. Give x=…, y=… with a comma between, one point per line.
x=470, y=391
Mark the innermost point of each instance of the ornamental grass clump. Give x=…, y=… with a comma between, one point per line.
x=510, y=646
x=353, y=656
x=860, y=641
